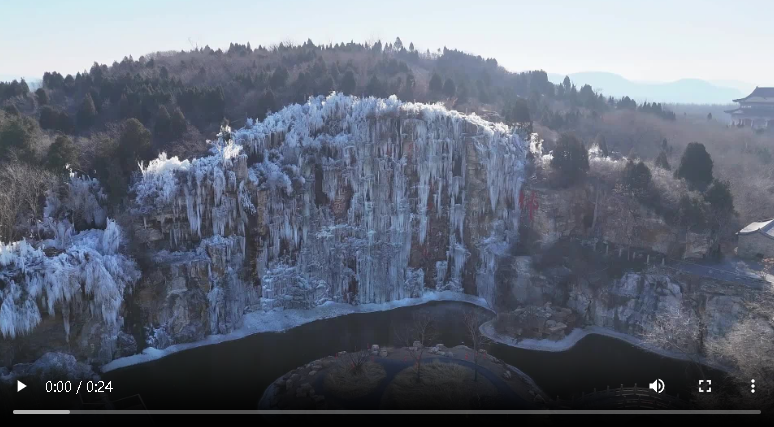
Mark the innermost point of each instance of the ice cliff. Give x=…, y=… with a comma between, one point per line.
x=340, y=199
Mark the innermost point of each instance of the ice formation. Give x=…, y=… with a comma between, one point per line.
x=86, y=269
x=341, y=199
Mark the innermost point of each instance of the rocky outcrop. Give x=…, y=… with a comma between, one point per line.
x=589, y=211
x=635, y=303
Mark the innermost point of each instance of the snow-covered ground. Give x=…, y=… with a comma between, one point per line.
x=280, y=321
x=577, y=334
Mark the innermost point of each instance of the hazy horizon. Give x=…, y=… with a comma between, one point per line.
x=659, y=41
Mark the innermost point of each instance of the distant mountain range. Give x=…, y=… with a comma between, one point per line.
x=688, y=91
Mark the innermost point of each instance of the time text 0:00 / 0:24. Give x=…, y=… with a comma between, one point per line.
x=68, y=386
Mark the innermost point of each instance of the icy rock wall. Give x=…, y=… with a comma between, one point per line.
x=76, y=278
x=341, y=199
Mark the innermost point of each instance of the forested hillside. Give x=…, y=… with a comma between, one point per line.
x=105, y=120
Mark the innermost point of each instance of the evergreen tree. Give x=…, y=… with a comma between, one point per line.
x=348, y=83
x=96, y=98
x=86, y=113
x=325, y=85
x=662, y=161
x=719, y=197
x=695, y=166
x=517, y=111
x=407, y=90
x=61, y=153
x=436, y=84
x=570, y=158
x=279, y=78
x=411, y=47
x=15, y=137
x=178, y=124
x=134, y=145
x=601, y=142
x=566, y=84
x=709, y=116
x=636, y=178
x=125, y=109
x=449, y=89
x=374, y=87
x=42, y=96
x=64, y=123
x=49, y=118
x=163, y=125
x=398, y=44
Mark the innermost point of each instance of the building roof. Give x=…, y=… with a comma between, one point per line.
x=760, y=94
x=764, y=227
x=754, y=112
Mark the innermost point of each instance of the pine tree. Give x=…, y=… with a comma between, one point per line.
x=48, y=118
x=124, y=107
x=14, y=136
x=61, y=153
x=178, y=124
x=348, y=83
x=601, y=142
x=64, y=123
x=570, y=158
x=374, y=87
x=163, y=125
x=86, y=113
x=436, y=84
x=134, y=144
x=695, y=166
x=279, y=78
x=662, y=161
x=411, y=47
x=42, y=96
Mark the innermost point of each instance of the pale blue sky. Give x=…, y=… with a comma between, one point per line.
x=655, y=40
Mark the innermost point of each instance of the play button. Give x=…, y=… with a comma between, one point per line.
x=20, y=386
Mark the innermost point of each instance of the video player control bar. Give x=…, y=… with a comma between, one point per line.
x=396, y=412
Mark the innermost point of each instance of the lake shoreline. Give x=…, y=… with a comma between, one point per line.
x=577, y=334
x=285, y=320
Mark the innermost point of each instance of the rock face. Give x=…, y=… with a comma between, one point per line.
x=341, y=199
x=634, y=304
x=557, y=213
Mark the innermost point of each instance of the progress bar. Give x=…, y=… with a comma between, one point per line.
x=396, y=412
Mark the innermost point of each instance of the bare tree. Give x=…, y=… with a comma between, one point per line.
x=417, y=335
x=357, y=361
x=748, y=348
x=679, y=330
x=22, y=198
x=473, y=320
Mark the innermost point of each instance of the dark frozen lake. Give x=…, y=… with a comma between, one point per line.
x=234, y=374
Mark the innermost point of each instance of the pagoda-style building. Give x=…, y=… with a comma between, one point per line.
x=756, y=110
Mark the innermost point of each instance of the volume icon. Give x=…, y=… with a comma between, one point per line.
x=657, y=386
